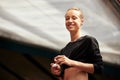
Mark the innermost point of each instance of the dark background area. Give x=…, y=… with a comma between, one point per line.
x=20, y=61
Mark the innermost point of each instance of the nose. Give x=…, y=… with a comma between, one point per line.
x=70, y=20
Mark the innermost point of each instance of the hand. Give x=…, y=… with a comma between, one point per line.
x=55, y=69
x=62, y=59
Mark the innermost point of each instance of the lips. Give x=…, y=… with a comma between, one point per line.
x=70, y=25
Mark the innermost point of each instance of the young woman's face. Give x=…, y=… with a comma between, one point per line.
x=73, y=21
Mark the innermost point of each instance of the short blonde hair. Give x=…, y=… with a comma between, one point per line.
x=77, y=9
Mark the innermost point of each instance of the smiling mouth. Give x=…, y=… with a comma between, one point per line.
x=70, y=25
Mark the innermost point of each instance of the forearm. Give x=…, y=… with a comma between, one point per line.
x=60, y=78
x=87, y=67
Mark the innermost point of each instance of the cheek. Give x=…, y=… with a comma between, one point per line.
x=66, y=24
x=79, y=23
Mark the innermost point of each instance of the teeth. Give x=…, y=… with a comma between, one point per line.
x=70, y=24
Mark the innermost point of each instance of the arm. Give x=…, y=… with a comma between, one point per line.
x=86, y=67
x=96, y=56
x=95, y=63
x=61, y=59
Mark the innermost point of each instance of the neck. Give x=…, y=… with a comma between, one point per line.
x=75, y=36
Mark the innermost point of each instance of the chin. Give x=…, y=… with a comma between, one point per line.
x=70, y=30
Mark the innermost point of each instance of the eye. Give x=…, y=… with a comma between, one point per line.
x=67, y=18
x=74, y=17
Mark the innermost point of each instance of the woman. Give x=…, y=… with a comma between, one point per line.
x=81, y=57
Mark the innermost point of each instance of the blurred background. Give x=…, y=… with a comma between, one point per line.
x=32, y=32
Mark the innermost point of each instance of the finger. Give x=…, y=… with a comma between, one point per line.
x=55, y=59
x=62, y=62
x=57, y=62
x=59, y=56
x=51, y=64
